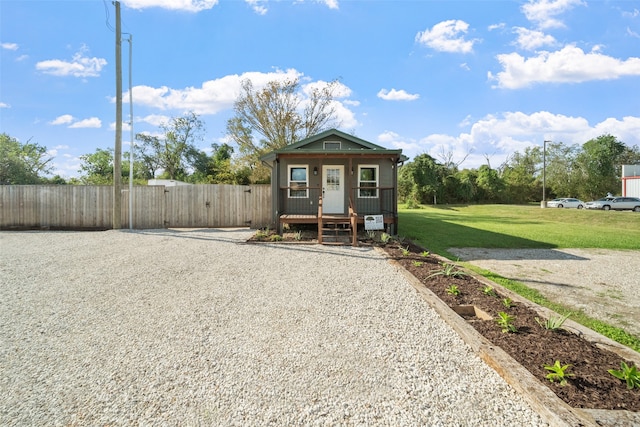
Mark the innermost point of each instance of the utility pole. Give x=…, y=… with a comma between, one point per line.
x=543, y=204
x=117, y=155
x=132, y=144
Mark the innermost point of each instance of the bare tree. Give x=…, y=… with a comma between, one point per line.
x=446, y=158
x=278, y=115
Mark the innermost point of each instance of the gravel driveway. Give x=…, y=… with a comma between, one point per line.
x=194, y=327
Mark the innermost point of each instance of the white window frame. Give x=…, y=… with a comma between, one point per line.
x=360, y=181
x=339, y=147
x=305, y=183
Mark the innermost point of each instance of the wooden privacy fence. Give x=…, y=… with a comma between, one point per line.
x=79, y=207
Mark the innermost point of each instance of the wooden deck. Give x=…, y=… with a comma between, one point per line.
x=313, y=219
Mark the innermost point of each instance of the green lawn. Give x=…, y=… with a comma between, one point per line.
x=518, y=226
x=515, y=226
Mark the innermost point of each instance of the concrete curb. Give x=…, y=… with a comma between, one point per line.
x=550, y=407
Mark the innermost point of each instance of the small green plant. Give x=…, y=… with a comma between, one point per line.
x=627, y=373
x=558, y=372
x=405, y=251
x=448, y=270
x=552, y=323
x=263, y=234
x=453, y=290
x=275, y=238
x=425, y=254
x=507, y=302
x=417, y=263
x=385, y=238
x=489, y=291
x=506, y=322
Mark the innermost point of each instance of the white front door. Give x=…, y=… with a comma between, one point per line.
x=333, y=189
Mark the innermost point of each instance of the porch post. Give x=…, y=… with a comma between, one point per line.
x=394, y=165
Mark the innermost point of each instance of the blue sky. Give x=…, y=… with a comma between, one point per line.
x=473, y=80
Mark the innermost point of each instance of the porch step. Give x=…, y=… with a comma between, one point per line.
x=336, y=230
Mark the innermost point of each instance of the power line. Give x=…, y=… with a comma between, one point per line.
x=106, y=12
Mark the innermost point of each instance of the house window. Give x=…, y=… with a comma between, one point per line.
x=298, y=181
x=368, y=177
x=332, y=145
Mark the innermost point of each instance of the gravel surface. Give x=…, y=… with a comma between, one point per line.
x=604, y=283
x=194, y=327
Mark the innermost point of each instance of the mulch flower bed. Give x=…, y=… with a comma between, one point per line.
x=591, y=386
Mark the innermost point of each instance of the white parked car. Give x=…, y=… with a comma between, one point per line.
x=615, y=203
x=567, y=202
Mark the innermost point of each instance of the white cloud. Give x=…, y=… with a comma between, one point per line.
x=626, y=130
x=532, y=39
x=215, y=96
x=544, y=12
x=92, y=122
x=344, y=116
x=393, y=140
x=62, y=120
x=499, y=136
x=258, y=6
x=154, y=119
x=331, y=4
x=126, y=127
x=211, y=98
x=9, y=46
x=339, y=89
x=396, y=95
x=447, y=36
x=185, y=5
x=568, y=65
x=79, y=66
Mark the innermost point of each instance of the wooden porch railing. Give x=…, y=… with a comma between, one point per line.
x=320, y=219
x=384, y=204
x=353, y=219
x=303, y=201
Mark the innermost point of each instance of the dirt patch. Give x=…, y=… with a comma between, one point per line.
x=605, y=284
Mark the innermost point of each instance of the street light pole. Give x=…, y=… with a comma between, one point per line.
x=544, y=174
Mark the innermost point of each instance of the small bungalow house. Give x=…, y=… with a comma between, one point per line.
x=337, y=181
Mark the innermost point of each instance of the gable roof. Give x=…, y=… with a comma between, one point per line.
x=300, y=145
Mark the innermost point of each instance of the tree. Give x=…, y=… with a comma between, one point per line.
x=278, y=115
x=563, y=178
x=171, y=153
x=490, y=184
x=599, y=164
x=97, y=168
x=467, y=190
x=217, y=168
x=519, y=175
x=22, y=163
x=419, y=180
